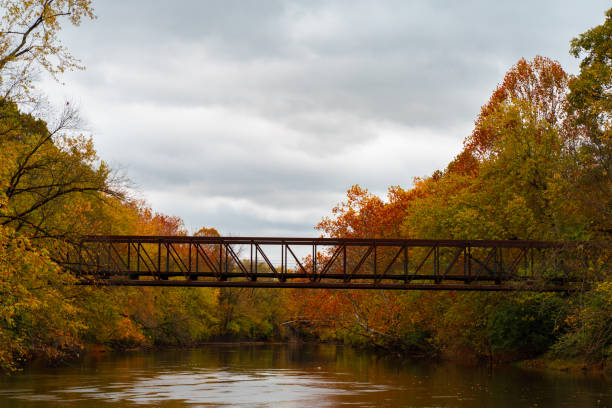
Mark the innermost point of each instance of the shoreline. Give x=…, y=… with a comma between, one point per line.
x=540, y=364
x=569, y=366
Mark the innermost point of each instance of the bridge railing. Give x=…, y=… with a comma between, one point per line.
x=329, y=262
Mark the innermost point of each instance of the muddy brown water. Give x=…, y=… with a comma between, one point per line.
x=291, y=376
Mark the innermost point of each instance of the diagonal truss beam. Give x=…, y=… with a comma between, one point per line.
x=342, y=263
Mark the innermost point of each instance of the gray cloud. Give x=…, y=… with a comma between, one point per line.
x=255, y=116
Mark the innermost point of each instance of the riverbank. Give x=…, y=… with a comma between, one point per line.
x=541, y=364
x=566, y=365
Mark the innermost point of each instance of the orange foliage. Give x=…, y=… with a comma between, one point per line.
x=386, y=318
x=541, y=82
x=207, y=232
x=364, y=215
x=154, y=223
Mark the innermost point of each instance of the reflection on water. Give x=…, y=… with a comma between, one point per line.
x=291, y=376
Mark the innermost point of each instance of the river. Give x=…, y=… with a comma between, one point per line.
x=291, y=376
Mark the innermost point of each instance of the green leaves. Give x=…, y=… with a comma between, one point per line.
x=590, y=101
x=527, y=325
x=536, y=166
x=591, y=89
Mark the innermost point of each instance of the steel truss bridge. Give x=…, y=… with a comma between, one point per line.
x=329, y=263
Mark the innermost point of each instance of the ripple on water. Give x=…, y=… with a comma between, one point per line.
x=280, y=376
x=268, y=387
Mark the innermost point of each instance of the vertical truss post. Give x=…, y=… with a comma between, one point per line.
x=437, y=263
x=226, y=259
x=221, y=261
x=133, y=276
x=498, y=265
x=108, y=260
x=285, y=252
x=344, y=260
x=374, y=246
x=158, y=257
x=165, y=277
x=138, y=257
x=525, y=260
x=465, y=264
x=283, y=265
x=80, y=268
x=189, y=255
x=197, y=258
x=495, y=251
x=314, y=262
x=469, y=255
x=406, y=280
x=98, y=260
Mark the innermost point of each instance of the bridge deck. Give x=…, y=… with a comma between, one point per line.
x=330, y=263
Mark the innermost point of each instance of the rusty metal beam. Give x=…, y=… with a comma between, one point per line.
x=369, y=264
x=343, y=285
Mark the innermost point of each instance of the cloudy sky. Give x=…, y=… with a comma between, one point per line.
x=255, y=117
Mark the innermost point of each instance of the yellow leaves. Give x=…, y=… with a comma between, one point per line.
x=604, y=291
x=29, y=37
x=50, y=185
x=35, y=311
x=215, y=293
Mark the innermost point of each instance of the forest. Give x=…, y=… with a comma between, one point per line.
x=537, y=165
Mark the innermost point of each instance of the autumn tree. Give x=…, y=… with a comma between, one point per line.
x=541, y=82
x=364, y=215
x=590, y=95
x=29, y=39
x=49, y=181
x=590, y=104
x=509, y=182
x=38, y=317
x=589, y=176
x=52, y=189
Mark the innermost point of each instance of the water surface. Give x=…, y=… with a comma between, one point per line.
x=291, y=376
